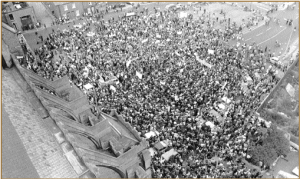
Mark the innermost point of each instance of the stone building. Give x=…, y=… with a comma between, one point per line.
x=19, y=15
x=72, y=9
x=107, y=145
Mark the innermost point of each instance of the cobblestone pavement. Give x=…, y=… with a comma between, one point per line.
x=41, y=147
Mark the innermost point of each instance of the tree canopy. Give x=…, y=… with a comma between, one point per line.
x=272, y=145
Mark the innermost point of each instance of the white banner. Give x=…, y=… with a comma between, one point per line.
x=138, y=74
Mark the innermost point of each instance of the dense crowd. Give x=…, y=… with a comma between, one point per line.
x=164, y=86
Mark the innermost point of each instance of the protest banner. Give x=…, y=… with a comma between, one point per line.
x=211, y=51
x=138, y=74
x=88, y=86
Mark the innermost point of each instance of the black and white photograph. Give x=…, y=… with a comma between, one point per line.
x=150, y=89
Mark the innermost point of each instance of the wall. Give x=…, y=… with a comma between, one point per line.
x=17, y=17
x=71, y=12
x=126, y=124
x=11, y=39
x=90, y=5
x=52, y=7
x=43, y=15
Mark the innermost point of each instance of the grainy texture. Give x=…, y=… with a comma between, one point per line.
x=40, y=145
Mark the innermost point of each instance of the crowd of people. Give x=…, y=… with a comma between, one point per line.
x=163, y=85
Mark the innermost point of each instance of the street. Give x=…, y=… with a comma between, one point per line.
x=266, y=35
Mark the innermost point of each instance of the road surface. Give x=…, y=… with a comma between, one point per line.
x=266, y=35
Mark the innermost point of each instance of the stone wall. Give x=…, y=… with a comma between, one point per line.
x=126, y=124
x=78, y=165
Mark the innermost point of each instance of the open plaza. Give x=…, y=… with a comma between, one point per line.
x=152, y=89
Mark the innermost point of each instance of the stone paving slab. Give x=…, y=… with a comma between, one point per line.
x=19, y=165
x=41, y=146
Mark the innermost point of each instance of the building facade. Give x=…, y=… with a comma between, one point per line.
x=89, y=7
x=72, y=10
x=19, y=15
x=52, y=8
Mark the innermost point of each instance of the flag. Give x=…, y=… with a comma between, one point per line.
x=138, y=74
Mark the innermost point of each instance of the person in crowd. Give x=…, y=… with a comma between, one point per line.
x=163, y=86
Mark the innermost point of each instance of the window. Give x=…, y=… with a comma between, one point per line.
x=73, y=5
x=77, y=13
x=11, y=17
x=90, y=3
x=66, y=7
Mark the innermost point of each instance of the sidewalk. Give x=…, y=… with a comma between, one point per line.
x=40, y=145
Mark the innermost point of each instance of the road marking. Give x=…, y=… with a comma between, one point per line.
x=259, y=34
x=254, y=29
x=272, y=37
x=268, y=29
x=248, y=39
x=263, y=8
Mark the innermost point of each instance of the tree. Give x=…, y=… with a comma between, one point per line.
x=273, y=145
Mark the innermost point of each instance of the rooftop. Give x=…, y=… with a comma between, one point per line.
x=13, y=6
x=60, y=3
